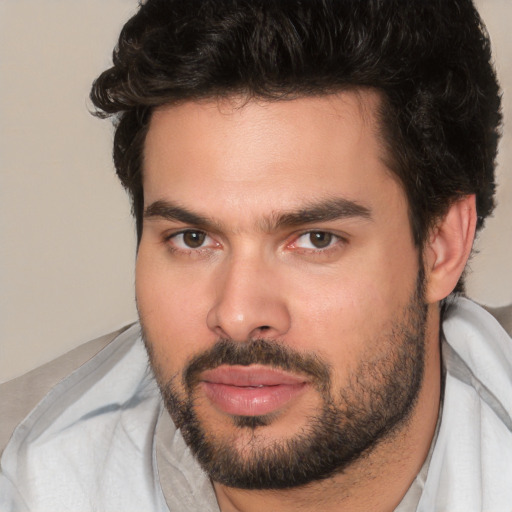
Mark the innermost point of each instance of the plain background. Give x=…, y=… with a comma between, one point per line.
x=67, y=239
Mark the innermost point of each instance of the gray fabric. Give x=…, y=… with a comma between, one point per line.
x=184, y=485
x=412, y=497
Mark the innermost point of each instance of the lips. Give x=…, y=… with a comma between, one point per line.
x=250, y=390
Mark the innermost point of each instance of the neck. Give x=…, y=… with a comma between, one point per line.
x=376, y=481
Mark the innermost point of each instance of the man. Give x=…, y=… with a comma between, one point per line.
x=307, y=180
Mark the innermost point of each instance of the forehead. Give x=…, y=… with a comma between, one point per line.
x=271, y=153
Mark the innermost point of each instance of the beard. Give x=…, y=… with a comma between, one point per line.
x=349, y=423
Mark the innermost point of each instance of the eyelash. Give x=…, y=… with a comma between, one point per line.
x=334, y=242
x=187, y=250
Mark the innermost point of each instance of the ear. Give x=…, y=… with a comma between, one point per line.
x=448, y=248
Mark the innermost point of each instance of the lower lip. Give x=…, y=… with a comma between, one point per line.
x=251, y=401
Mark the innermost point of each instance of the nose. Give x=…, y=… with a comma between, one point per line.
x=248, y=302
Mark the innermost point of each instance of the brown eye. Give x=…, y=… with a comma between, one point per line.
x=320, y=239
x=194, y=239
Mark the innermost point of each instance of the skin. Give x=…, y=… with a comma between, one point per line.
x=239, y=165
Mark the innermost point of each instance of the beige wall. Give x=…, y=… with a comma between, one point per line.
x=491, y=278
x=67, y=250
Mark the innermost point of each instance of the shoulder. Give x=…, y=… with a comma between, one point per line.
x=470, y=466
x=478, y=349
x=98, y=418
x=19, y=396
x=479, y=336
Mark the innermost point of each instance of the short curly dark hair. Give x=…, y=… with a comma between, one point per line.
x=430, y=61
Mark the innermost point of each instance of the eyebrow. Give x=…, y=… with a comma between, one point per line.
x=320, y=211
x=170, y=211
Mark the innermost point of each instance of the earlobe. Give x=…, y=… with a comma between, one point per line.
x=448, y=248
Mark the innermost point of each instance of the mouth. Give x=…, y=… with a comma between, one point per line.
x=250, y=390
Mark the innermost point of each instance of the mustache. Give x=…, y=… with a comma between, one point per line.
x=257, y=351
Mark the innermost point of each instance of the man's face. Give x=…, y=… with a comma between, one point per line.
x=278, y=285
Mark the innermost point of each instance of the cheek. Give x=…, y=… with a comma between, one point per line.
x=349, y=299
x=172, y=310
x=343, y=317
x=338, y=320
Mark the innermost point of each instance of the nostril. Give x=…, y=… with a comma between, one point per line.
x=262, y=331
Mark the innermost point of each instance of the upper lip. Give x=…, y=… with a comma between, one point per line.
x=253, y=375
